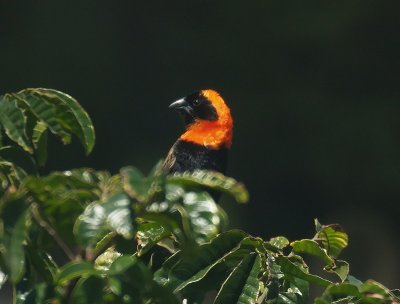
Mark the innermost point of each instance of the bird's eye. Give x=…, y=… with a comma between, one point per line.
x=196, y=102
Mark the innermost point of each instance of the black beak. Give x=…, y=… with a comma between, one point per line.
x=182, y=106
x=179, y=104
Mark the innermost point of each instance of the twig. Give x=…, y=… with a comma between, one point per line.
x=51, y=231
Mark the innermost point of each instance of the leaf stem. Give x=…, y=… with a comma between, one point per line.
x=51, y=231
x=14, y=290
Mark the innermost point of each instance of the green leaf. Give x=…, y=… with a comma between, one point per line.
x=167, y=221
x=3, y=278
x=353, y=280
x=88, y=290
x=61, y=198
x=149, y=234
x=14, y=122
x=106, y=259
x=286, y=298
x=39, y=140
x=100, y=218
x=44, y=111
x=73, y=271
x=242, y=285
x=42, y=262
x=40, y=293
x=279, y=242
x=201, y=217
x=212, y=180
x=373, y=289
x=10, y=174
x=342, y=290
x=81, y=125
x=15, y=220
x=312, y=248
x=368, y=292
x=135, y=183
x=191, y=265
x=61, y=113
x=121, y=264
x=138, y=186
x=290, y=269
x=133, y=282
x=332, y=238
x=18, y=158
x=340, y=268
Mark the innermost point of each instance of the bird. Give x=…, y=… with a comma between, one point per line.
x=207, y=138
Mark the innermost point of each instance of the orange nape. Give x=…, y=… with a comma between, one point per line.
x=212, y=134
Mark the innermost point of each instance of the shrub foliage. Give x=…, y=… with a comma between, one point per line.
x=85, y=236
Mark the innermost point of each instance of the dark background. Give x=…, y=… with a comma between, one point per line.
x=313, y=87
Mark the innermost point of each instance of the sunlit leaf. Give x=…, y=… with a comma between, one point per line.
x=279, y=242
x=106, y=259
x=373, y=289
x=100, y=218
x=312, y=248
x=340, y=268
x=290, y=269
x=3, y=278
x=212, y=180
x=201, y=217
x=332, y=238
x=149, y=234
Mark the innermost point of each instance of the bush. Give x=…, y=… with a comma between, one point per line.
x=85, y=236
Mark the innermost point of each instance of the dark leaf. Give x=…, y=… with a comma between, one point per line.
x=193, y=264
x=15, y=220
x=39, y=140
x=78, y=122
x=13, y=120
x=44, y=111
x=138, y=186
x=40, y=293
x=89, y=290
x=73, y=271
x=242, y=285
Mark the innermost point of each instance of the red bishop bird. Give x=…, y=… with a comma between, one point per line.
x=207, y=137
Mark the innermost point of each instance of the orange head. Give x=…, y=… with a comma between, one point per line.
x=208, y=119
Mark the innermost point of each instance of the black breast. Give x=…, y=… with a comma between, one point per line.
x=187, y=156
